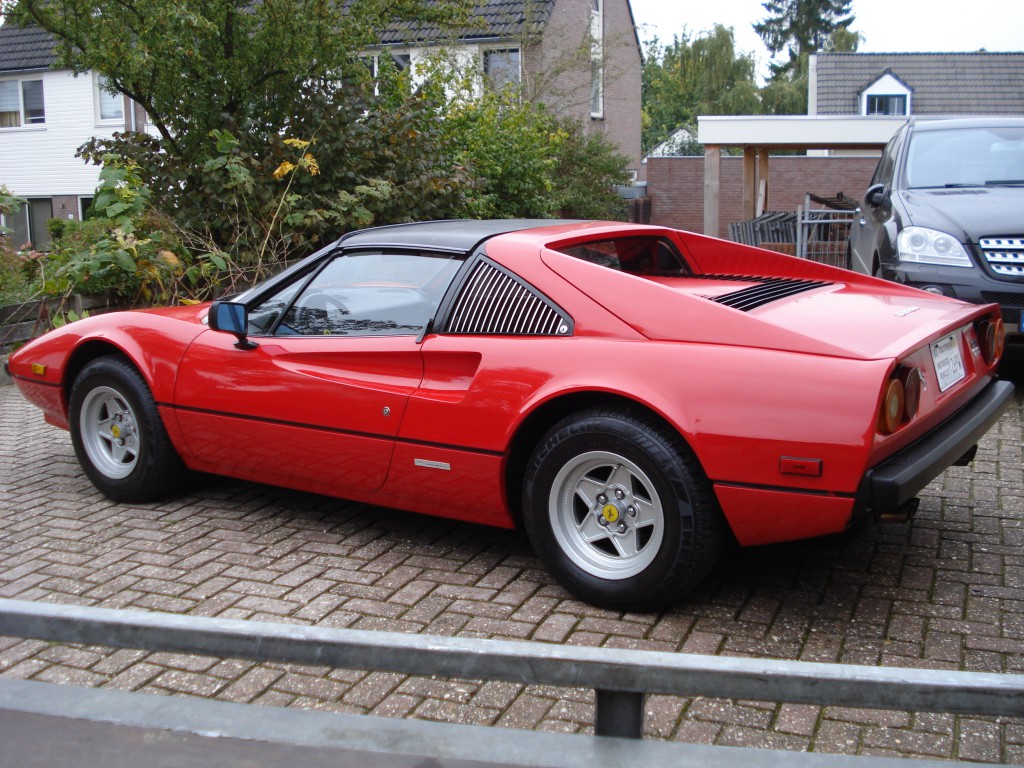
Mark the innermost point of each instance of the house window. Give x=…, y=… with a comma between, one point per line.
x=28, y=224
x=887, y=104
x=596, y=58
x=501, y=68
x=21, y=103
x=109, y=106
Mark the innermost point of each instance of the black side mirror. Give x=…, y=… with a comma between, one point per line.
x=875, y=194
x=232, y=317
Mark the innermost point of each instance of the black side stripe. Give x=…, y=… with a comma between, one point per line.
x=332, y=430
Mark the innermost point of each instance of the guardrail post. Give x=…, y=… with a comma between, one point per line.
x=619, y=713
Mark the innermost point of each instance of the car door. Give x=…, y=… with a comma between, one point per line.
x=869, y=236
x=319, y=400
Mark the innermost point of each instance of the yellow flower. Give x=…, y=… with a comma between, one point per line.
x=310, y=164
x=170, y=259
x=284, y=169
x=297, y=143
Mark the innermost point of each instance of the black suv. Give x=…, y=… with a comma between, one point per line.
x=945, y=212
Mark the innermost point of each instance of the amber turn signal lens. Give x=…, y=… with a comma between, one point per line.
x=891, y=414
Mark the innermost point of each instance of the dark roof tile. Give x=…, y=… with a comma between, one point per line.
x=942, y=83
x=491, y=18
x=25, y=48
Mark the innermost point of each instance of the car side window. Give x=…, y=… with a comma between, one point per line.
x=887, y=163
x=367, y=294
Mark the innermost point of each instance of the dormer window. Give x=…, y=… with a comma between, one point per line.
x=887, y=104
x=887, y=95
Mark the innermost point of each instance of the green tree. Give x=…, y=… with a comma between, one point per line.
x=802, y=27
x=695, y=75
x=194, y=64
x=786, y=92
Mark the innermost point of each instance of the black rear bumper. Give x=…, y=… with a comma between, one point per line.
x=901, y=477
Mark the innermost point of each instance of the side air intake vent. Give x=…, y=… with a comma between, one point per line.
x=495, y=302
x=767, y=290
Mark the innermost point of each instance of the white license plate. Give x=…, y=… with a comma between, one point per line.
x=949, y=364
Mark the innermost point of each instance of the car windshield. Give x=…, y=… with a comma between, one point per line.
x=966, y=157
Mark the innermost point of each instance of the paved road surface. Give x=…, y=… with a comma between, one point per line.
x=943, y=592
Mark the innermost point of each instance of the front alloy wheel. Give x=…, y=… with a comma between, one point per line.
x=110, y=436
x=118, y=435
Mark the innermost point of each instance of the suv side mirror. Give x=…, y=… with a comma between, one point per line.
x=875, y=194
x=231, y=317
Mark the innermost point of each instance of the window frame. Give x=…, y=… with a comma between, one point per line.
x=485, y=55
x=24, y=122
x=887, y=99
x=305, y=279
x=596, y=33
x=98, y=92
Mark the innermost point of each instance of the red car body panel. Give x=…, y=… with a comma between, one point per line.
x=780, y=404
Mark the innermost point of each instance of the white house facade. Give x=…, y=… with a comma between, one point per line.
x=45, y=116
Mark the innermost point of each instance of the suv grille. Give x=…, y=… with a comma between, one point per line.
x=1015, y=300
x=1005, y=255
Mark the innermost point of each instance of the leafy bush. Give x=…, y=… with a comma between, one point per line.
x=20, y=269
x=124, y=248
x=257, y=204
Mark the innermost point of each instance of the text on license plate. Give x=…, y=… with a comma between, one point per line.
x=949, y=364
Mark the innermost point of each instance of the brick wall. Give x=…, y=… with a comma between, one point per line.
x=557, y=72
x=676, y=186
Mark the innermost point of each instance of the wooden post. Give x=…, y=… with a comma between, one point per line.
x=762, y=174
x=749, y=182
x=712, y=188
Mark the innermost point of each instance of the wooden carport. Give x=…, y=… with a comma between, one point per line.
x=760, y=135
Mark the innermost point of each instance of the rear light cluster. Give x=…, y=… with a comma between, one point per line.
x=900, y=399
x=991, y=336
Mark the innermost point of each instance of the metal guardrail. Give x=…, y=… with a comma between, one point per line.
x=621, y=678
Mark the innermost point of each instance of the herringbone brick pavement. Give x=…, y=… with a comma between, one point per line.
x=942, y=592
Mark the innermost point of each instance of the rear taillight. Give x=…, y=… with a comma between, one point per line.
x=991, y=336
x=900, y=399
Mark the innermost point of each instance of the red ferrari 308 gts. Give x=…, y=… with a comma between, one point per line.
x=631, y=395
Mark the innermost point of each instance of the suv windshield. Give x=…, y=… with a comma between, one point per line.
x=966, y=157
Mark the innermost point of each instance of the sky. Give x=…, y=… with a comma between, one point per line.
x=888, y=26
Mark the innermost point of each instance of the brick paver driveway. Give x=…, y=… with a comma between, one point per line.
x=944, y=592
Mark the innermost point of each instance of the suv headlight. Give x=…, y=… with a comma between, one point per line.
x=930, y=246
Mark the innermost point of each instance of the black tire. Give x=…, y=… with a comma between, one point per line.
x=662, y=529
x=118, y=435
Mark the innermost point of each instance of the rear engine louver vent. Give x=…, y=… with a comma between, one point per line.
x=496, y=303
x=767, y=290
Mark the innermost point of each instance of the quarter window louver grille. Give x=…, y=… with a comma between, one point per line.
x=496, y=303
x=767, y=290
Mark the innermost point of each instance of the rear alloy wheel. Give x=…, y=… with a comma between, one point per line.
x=117, y=433
x=619, y=510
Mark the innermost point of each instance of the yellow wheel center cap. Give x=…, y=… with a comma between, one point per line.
x=115, y=431
x=610, y=513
